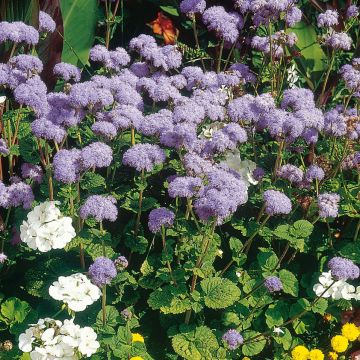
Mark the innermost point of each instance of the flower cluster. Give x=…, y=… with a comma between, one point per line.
x=53, y=339
x=46, y=228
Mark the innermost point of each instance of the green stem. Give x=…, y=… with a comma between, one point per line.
x=357, y=230
x=138, y=216
x=197, y=41
x=331, y=64
x=220, y=56
x=103, y=305
x=163, y=237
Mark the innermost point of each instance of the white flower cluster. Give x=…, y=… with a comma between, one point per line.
x=52, y=339
x=75, y=290
x=46, y=228
x=336, y=290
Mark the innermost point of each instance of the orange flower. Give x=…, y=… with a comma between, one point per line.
x=163, y=26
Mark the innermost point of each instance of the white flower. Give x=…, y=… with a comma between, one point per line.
x=2, y=99
x=278, y=331
x=292, y=76
x=46, y=228
x=25, y=340
x=87, y=343
x=220, y=253
x=208, y=130
x=244, y=168
x=75, y=290
x=238, y=274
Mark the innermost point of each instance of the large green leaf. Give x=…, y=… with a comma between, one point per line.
x=20, y=10
x=312, y=61
x=79, y=20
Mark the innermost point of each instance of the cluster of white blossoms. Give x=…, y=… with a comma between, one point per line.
x=52, y=339
x=75, y=290
x=337, y=290
x=46, y=228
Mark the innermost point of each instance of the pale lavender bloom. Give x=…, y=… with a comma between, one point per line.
x=4, y=150
x=31, y=171
x=293, y=16
x=276, y=203
x=67, y=72
x=173, y=57
x=243, y=109
x=328, y=18
x=99, y=207
x=194, y=164
x=184, y=186
x=189, y=112
x=314, y=172
x=335, y=123
x=121, y=263
x=160, y=217
x=212, y=101
x=156, y=123
x=140, y=69
x=233, y=339
x=343, y=269
x=352, y=11
x=26, y=63
x=339, y=41
x=291, y=173
x=102, y=271
x=244, y=71
x=192, y=7
x=3, y=258
x=262, y=43
x=310, y=135
x=273, y=284
x=298, y=99
x=45, y=129
x=193, y=75
x=182, y=135
x=226, y=25
x=18, y=32
x=46, y=23
x=179, y=81
x=328, y=204
x=144, y=157
x=311, y=118
x=124, y=117
x=104, y=128
x=96, y=155
x=18, y=194
x=113, y=60
x=67, y=166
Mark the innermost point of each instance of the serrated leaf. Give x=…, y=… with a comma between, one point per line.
x=13, y=310
x=92, y=181
x=289, y=281
x=219, y=293
x=302, y=229
x=320, y=307
x=267, y=260
x=253, y=347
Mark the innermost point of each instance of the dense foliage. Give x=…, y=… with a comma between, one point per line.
x=179, y=187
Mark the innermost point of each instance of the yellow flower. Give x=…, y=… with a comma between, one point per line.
x=316, y=354
x=136, y=358
x=339, y=343
x=137, y=338
x=350, y=331
x=300, y=353
x=246, y=358
x=333, y=355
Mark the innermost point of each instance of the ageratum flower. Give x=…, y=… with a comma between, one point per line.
x=144, y=157
x=67, y=72
x=26, y=64
x=160, y=217
x=291, y=173
x=276, y=203
x=192, y=7
x=67, y=165
x=184, y=186
x=339, y=41
x=45, y=129
x=273, y=284
x=18, y=193
x=31, y=171
x=18, y=32
x=96, y=155
x=100, y=207
x=293, y=16
x=105, y=129
x=233, y=339
x=328, y=18
x=121, y=263
x=46, y=23
x=314, y=172
x=328, y=204
x=102, y=271
x=4, y=150
x=343, y=269
x=352, y=11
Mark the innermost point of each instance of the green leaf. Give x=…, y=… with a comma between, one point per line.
x=198, y=344
x=267, y=260
x=112, y=318
x=79, y=19
x=96, y=250
x=170, y=10
x=302, y=229
x=253, y=347
x=351, y=251
x=13, y=310
x=320, y=307
x=20, y=10
x=92, y=181
x=289, y=281
x=219, y=293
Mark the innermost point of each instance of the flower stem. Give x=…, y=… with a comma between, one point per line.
x=103, y=305
x=197, y=40
x=163, y=237
x=357, y=230
x=331, y=64
x=138, y=216
x=220, y=56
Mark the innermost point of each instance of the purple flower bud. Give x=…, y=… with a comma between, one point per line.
x=185, y=186
x=96, y=155
x=328, y=205
x=343, y=269
x=160, y=217
x=67, y=72
x=121, y=263
x=46, y=23
x=99, y=207
x=276, y=203
x=233, y=339
x=102, y=271
x=273, y=284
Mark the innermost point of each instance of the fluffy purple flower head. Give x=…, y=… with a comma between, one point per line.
x=45, y=129
x=160, y=217
x=31, y=171
x=276, y=203
x=4, y=150
x=189, y=112
x=67, y=165
x=328, y=18
x=104, y=128
x=194, y=164
x=273, y=284
x=99, y=207
x=244, y=71
x=233, y=339
x=182, y=135
x=144, y=157
x=46, y=23
x=298, y=99
x=314, y=172
x=352, y=11
x=3, y=258
x=26, y=63
x=18, y=32
x=258, y=173
x=226, y=25
x=140, y=69
x=121, y=263
x=293, y=16
x=17, y=194
x=343, y=269
x=339, y=41
x=291, y=173
x=328, y=205
x=155, y=123
x=102, y=271
x=184, y=186
x=335, y=123
x=67, y=72
x=96, y=155
x=192, y=7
